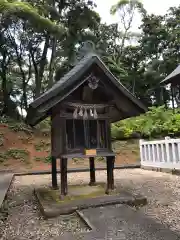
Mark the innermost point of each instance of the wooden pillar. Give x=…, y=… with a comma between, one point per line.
x=110, y=173
x=63, y=165
x=54, y=172
x=172, y=94
x=92, y=172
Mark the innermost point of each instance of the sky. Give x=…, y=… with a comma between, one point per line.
x=152, y=6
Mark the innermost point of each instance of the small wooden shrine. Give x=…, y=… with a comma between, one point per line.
x=174, y=80
x=82, y=105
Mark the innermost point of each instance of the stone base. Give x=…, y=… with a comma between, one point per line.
x=55, y=206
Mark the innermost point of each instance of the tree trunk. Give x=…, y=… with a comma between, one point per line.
x=24, y=84
x=42, y=65
x=52, y=62
x=5, y=94
x=3, y=73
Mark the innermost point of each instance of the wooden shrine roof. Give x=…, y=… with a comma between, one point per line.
x=173, y=77
x=39, y=108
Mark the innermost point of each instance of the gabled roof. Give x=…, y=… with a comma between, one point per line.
x=63, y=87
x=172, y=76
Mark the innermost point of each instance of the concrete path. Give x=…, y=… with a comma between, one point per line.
x=122, y=223
x=5, y=181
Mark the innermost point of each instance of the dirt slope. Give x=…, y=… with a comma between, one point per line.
x=22, y=149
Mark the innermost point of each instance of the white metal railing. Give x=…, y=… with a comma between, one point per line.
x=160, y=153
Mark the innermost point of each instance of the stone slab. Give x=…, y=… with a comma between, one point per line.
x=122, y=223
x=51, y=209
x=5, y=182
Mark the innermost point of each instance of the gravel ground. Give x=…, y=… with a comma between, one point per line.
x=25, y=222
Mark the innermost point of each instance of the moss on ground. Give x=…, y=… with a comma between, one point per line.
x=47, y=194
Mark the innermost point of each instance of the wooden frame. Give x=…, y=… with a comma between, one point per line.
x=86, y=134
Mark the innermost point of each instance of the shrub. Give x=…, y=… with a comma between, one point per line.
x=157, y=122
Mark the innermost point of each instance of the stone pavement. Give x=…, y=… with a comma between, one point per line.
x=5, y=181
x=122, y=223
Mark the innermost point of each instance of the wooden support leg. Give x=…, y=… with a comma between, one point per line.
x=110, y=173
x=92, y=172
x=54, y=173
x=63, y=176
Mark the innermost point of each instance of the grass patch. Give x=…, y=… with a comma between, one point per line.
x=42, y=145
x=20, y=154
x=48, y=159
x=3, y=157
x=1, y=139
x=19, y=126
x=25, y=139
x=43, y=159
x=45, y=124
x=39, y=159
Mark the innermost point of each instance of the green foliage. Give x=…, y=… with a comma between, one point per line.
x=157, y=122
x=1, y=139
x=43, y=159
x=41, y=38
x=26, y=11
x=45, y=127
x=46, y=124
x=42, y=145
x=47, y=159
x=39, y=159
x=3, y=157
x=5, y=120
x=19, y=126
x=15, y=126
x=20, y=154
x=130, y=3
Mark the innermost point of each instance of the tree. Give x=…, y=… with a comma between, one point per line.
x=160, y=46
x=37, y=37
x=27, y=12
x=126, y=10
x=16, y=17
x=39, y=40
